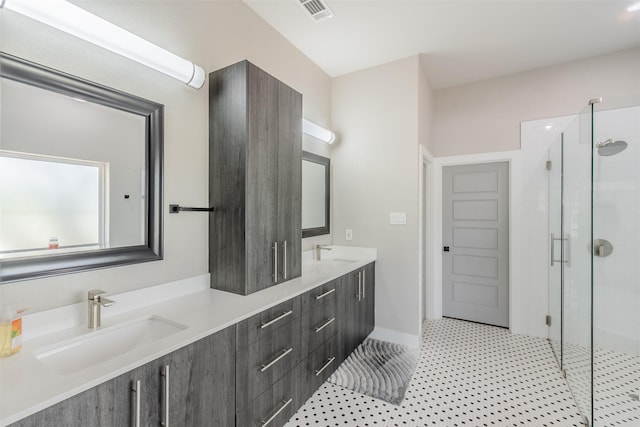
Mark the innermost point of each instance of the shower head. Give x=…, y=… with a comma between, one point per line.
x=610, y=147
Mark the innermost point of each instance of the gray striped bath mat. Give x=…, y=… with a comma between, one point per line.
x=378, y=369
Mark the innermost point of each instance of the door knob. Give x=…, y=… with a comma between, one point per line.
x=446, y=249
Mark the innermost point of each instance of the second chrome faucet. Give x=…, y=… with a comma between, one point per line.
x=318, y=251
x=96, y=300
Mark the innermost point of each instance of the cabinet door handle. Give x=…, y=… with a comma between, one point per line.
x=284, y=261
x=325, y=324
x=136, y=390
x=364, y=284
x=272, y=321
x=359, y=285
x=274, y=361
x=275, y=262
x=285, y=403
x=324, y=294
x=164, y=415
x=325, y=366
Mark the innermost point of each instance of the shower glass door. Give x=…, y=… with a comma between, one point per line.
x=576, y=257
x=555, y=247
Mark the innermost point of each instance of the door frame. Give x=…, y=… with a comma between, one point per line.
x=426, y=270
x=434, y=239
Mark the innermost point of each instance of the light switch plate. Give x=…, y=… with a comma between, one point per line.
x=348, y=235
x=397, y=218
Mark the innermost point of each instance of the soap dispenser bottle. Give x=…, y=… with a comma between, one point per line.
x=10, y=331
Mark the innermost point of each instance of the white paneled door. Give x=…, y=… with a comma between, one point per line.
x=475, y=237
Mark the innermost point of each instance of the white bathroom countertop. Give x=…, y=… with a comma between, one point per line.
x=28, y=386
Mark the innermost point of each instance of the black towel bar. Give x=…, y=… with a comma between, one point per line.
x=178, y=209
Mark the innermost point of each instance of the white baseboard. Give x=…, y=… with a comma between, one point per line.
x=382, y=334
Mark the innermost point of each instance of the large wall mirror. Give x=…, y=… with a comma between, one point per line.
x=80, y=174
x=315, y=195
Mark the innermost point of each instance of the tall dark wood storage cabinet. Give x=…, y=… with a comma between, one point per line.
x=255, y=172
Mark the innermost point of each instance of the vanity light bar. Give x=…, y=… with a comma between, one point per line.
x=318, y=131
x=69, y=18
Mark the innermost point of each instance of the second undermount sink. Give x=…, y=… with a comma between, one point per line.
x=327, y=264
x=335, y=262
x=89, y=349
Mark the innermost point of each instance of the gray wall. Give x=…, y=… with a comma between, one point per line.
x=485, y=116
x=375, y=168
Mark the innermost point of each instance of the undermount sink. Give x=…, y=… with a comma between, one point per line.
x=82, y=352
x=327, y=264
x=335, y=262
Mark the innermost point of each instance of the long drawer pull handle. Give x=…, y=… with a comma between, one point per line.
x=272, y=321
x=325, y=366
x=274, y=361
x=164, y=419
x=275, y=262
x=329, y=292
x=284, y=264
x=325, y=324
x=136, y=389
x=364, y=284
x=285, y=403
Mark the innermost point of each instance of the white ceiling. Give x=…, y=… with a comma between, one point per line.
x=459, y=41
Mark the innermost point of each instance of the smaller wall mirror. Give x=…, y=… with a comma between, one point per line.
x=315, y=195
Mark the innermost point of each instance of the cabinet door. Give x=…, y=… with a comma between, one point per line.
x=370, y=298
x=201, y=382
x=262, y=180
x=289, y=181
x=108, y=404
x=348, y=307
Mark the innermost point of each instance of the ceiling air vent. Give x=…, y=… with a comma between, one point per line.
x=317, y=9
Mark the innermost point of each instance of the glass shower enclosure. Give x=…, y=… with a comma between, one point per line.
x=594, y=265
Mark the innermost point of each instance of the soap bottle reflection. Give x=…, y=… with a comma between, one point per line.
x=53, y=243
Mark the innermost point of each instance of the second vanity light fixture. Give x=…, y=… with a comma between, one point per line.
x=71, y=19
x=318, y=131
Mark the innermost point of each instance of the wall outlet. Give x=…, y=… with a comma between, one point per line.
x=348, y=235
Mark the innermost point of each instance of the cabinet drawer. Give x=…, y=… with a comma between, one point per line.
x=318, y=325
x=276, y=405
x=267, y=360
x=254, y=328
x=319, y=366
x=319, y=295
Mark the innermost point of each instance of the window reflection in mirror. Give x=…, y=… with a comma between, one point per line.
x=40, y=207
x=80, y=169
x=315, y=195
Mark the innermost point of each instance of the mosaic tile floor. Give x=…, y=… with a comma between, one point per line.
x=468, y=375
x=616, y=380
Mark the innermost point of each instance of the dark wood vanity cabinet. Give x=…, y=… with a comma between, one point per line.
x=257, y=372
x=199, y=377
x=255, y=179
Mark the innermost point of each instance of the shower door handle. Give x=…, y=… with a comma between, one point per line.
x=554, y=239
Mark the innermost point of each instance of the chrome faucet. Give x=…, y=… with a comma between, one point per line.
x=318, y=251
x=96, y=300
